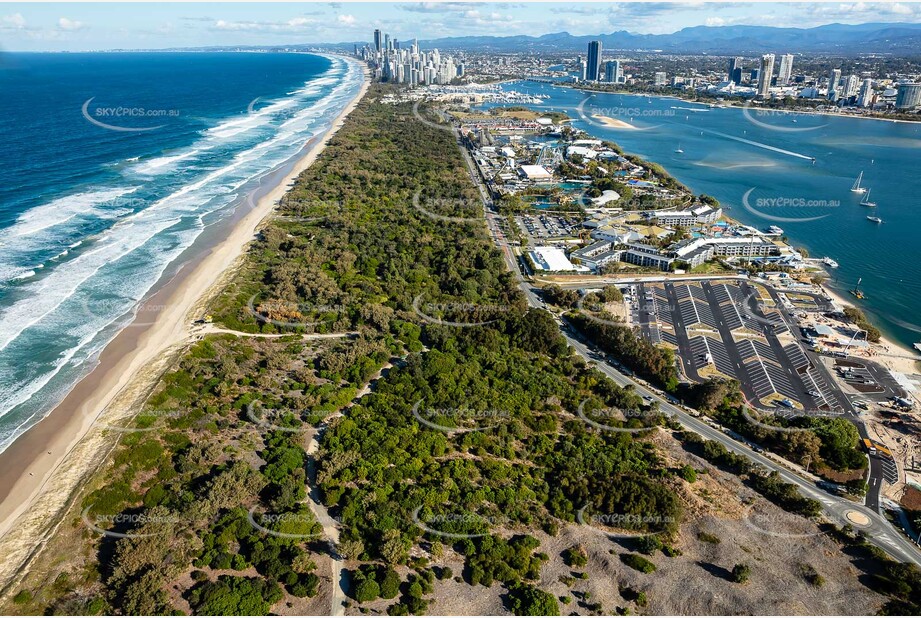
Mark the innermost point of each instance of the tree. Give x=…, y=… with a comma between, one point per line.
x=804, y=447
x=390, y=584
x=234, y=596
x=612, y=294
x=637, y=562
x=741, y=573
x=649, y=544
x=367, y=590
x=688, y=473
x=393, y=549
x=575, y=556
x=351, y=549
x=528, y=600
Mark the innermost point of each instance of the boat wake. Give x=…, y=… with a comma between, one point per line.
x=761, y=145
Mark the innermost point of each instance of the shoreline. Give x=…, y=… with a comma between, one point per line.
x=893, y=364
x=897, y=360
x=614, y=123
x=732, y=103
x=43, y=467
x=892, y=346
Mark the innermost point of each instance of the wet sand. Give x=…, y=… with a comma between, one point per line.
x=42, y=469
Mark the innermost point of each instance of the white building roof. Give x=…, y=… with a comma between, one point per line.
x=606, y=196
x=553, y=259
x=582, y=151
x=534, y=171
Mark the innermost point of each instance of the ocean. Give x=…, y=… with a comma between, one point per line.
x=112, y=165
x=760, y=165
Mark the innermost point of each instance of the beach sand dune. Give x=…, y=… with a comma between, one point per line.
x=43, y=470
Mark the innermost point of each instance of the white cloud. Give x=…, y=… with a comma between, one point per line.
x=901, y=9
x=715, y=21
x=348, y=20
x=860, y=12
x=295, y=24
x=16, y=20
x=70, y=25
x=439, y=7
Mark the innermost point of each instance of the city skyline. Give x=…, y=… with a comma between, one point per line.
x=65, y=27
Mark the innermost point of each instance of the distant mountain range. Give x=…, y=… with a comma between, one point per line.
x=840, y=39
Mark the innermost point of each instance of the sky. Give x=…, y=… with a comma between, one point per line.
x=99, y=26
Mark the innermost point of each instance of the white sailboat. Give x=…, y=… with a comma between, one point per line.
x=678, y=149
x=871, y=217
x=857, y=188
x=866, y=200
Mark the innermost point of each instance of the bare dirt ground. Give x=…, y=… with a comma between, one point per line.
x=718, y=507
x=774, y=544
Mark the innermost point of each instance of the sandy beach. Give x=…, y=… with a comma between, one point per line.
x=895, y=356
x=614, y=123
x=43, y=469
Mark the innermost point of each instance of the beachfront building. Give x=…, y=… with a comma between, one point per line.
x=612, y=72
x=685, y=218
x=765, y=73
x=617, y=247
x=908, y=97
x=733, y=246
x=834, y=80
x=735, y=71
x=786, y=70
x=865, y=98
x=593, y=63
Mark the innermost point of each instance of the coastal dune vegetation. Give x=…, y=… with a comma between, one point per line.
x=445, y=425
x=222, y=444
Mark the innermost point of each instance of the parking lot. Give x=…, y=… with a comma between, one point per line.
x=726, y=328
x=866, y=378
x=547, y=226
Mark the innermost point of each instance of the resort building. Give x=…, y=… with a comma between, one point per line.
x=597, y=254
x=646, y=256
x=693, y=252
x=685, y=218
x=611, y=233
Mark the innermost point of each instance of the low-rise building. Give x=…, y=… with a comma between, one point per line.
x=686, y=218
x=647, y=256
x=620, y=245
x=534, y=172
x=597, y=254
x=612, y=233
x=553, y=259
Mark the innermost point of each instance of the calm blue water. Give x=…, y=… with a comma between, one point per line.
x=774, y=162
x=91, y=216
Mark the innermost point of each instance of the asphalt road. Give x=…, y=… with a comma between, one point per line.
x=879, y=531
x=875, y=478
